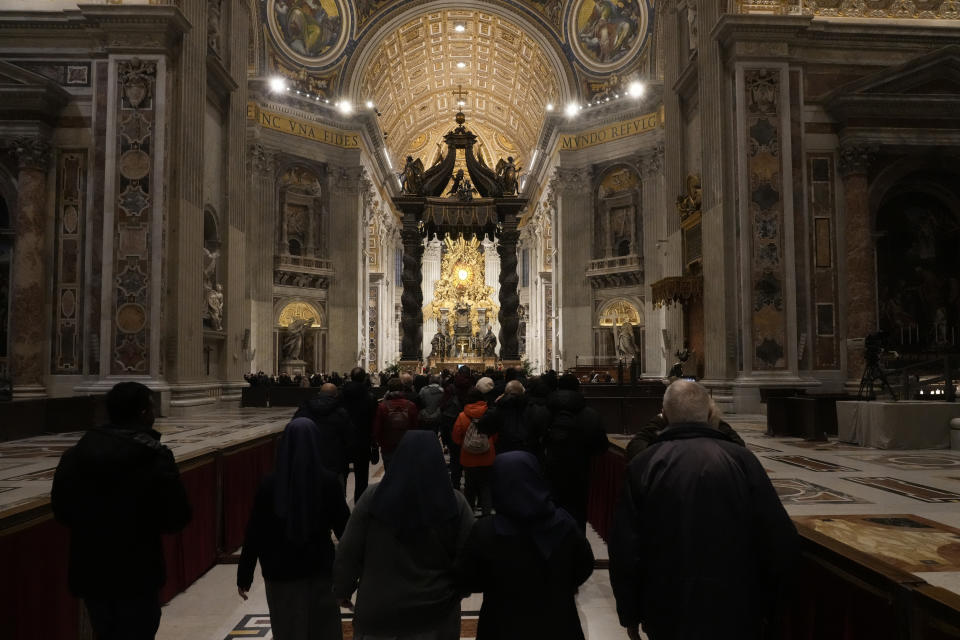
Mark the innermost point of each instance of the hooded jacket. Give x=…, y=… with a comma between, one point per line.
x=328, y=413
x=467, y=459
x=117, y=491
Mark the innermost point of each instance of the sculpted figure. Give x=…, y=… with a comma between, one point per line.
x=412, y=176
x=626, y=343
x=457, y=183
x=507, y=174
x=215, y=307
x=489, y=344
x=293, y=343
x=438, y=345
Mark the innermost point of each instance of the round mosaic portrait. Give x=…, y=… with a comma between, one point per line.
x=607, y=33
x=312, y=32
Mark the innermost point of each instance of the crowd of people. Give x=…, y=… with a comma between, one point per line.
x=484, y=490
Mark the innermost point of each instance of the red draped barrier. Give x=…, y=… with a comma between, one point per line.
x=242, y=471
x=606, y=484
x=35, y=602
x=190, y=553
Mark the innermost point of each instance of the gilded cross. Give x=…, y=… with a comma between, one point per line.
x=460, y=93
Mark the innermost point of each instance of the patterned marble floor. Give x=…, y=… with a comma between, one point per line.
x=897, y=505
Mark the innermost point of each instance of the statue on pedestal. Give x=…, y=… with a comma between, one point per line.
x=438, y=345
x=293, y=343
x=626, y=342
x=489, y=344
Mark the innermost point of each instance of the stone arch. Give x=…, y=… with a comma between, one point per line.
x=916, y=224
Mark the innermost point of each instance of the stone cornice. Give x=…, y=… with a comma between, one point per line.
x=99, y=28
x=784, y=34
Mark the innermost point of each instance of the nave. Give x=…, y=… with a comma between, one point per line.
x=897, y=509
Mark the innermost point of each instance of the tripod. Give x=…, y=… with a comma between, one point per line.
x=873, y=373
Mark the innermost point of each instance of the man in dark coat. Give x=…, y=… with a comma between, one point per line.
x=700, y=540
x=652, y=430
x=327, y=412
x=360, y=405
x=520, y=424
x=574, y=437
x=117, y=491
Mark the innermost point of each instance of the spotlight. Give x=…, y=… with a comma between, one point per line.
x=278, y=84
x=459, y=28
x=345, y=107
x=460, y=103
x=369, y=104
x=549, y=106
x=572, y=109
x=636, y=89
x=461, y=65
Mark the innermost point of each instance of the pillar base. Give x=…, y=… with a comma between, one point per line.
x=29, y=391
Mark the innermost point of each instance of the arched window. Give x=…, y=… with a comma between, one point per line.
x=294, y=247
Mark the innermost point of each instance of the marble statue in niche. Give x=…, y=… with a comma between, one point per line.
x=626, y=342
x=293, y=343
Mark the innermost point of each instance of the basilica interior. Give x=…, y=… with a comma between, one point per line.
x=741, y=192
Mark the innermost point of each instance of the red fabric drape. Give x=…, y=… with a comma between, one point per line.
x=242, y=471
x=35, y=602
x=191, y=552
x=607, y=473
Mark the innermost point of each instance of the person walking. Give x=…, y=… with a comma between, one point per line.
x=700, y=541
x=477, y=451
x=117, y=491
x=360, y=405
x=528, y=560
x=295, y=509
x=395, y=416
x=327, y=412
x=399, y=549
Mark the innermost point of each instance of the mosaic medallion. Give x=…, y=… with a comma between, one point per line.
x=605, y=34
x=312, y=32
x=131, y=318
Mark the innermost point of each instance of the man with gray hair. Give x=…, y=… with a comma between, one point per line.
x=520, y=424
x=722, y=540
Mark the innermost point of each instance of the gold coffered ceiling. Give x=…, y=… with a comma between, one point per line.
x=413, y=71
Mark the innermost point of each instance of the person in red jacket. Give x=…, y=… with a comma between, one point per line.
x=476, y=451
x=395, y=416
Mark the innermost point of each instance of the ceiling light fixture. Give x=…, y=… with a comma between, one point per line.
x=345, y=107
x=461, y=65
x=636, y=89
x=369, y=104
x=549, y=106
x=460, y=103
x=572, y=109
x=278, y=84
x=459, y=28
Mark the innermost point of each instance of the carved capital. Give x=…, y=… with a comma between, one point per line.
x=348, y=179
x=856, y=158
x=651, y=162
x=566, y=181
x=32, y=152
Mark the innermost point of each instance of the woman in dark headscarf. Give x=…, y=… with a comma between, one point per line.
x=400, y=546
x=528, y=560
x=295, y=510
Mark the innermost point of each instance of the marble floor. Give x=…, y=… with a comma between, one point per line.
x=896, y=505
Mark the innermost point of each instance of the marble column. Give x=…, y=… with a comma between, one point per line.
x=411, y=314
x=431, y=273
x=509, y=297
x=29, y=286
x=491, y=271
x=861, y=312
x=573, y=299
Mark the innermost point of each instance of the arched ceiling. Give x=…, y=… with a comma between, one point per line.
x=412, y=71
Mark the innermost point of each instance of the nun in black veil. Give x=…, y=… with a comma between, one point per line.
x=400, y=547
x=295, y=509
x=528, y=560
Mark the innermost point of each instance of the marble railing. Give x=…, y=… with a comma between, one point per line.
x=287, y=261
x=617, y=271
